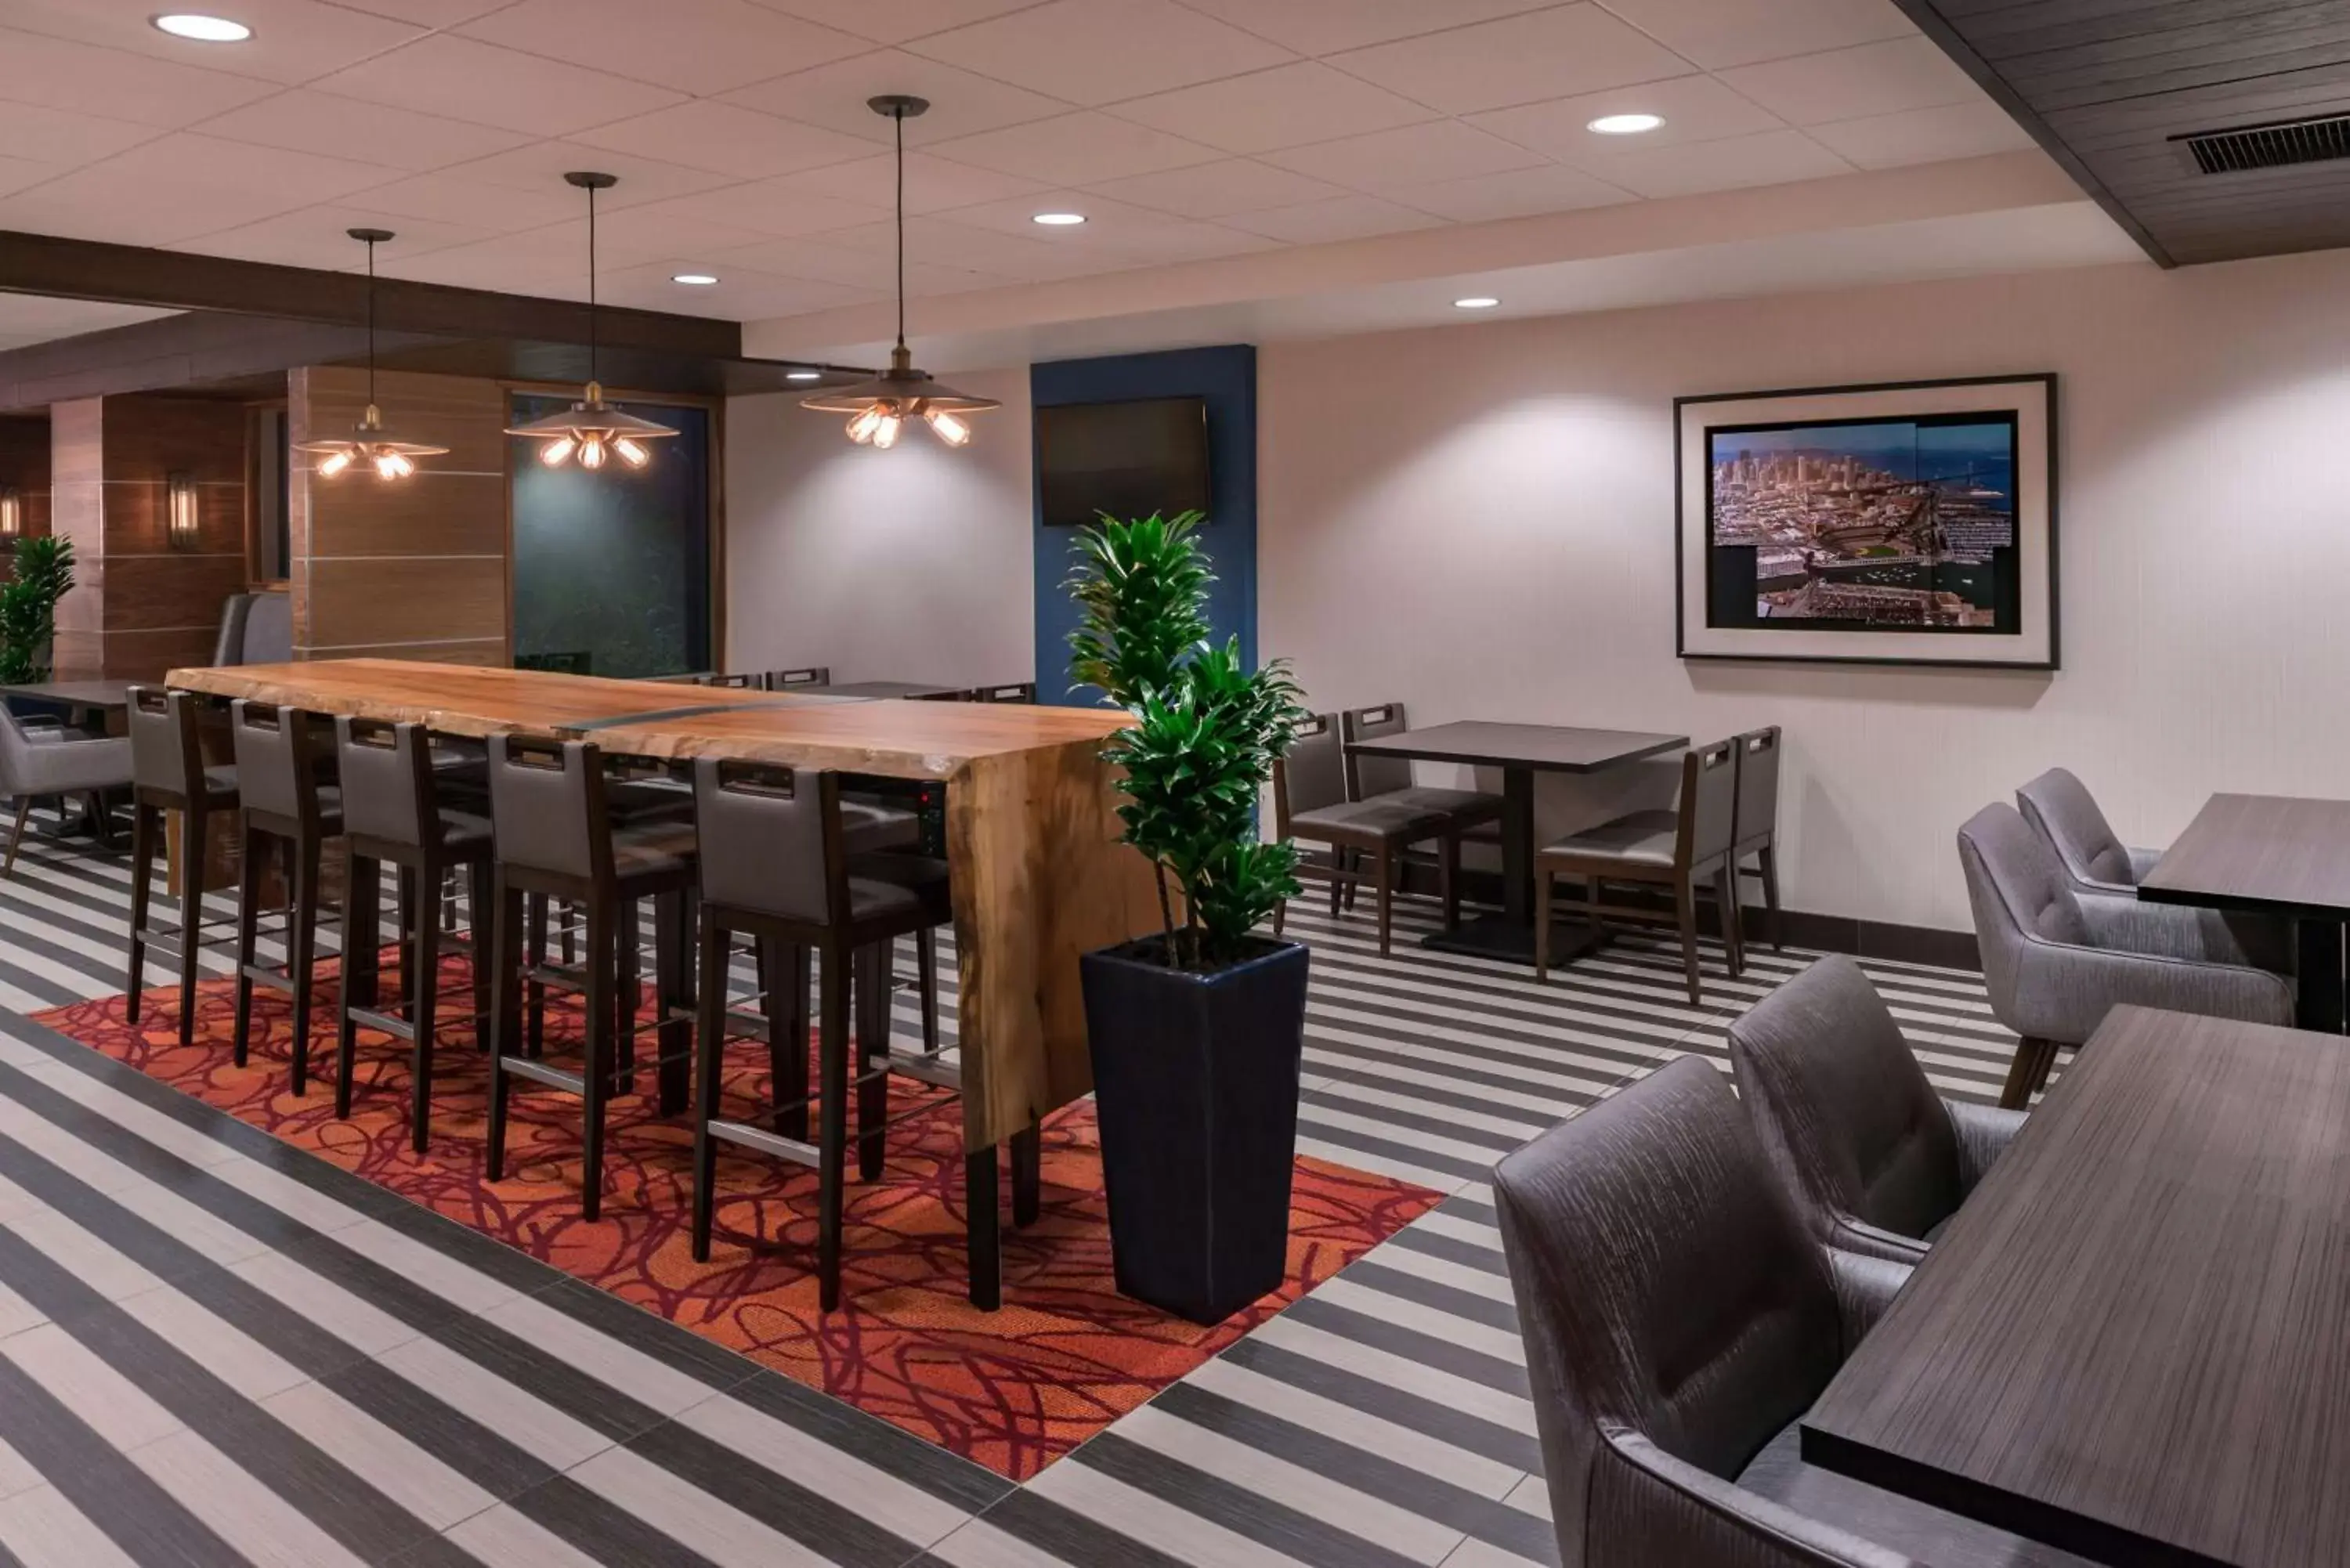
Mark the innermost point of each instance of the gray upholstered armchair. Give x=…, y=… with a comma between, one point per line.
x=1679, y=1323
x=1874, y=1159
x=44, y=762
x=2055, y=961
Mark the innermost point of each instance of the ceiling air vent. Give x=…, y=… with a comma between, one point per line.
x=2271, y=146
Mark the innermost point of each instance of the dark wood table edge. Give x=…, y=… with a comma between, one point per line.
x=1400, y=746
x=2001, y=1510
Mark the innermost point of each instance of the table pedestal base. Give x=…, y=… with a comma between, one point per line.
x=1500, y=936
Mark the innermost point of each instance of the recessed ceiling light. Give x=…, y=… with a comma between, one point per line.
x=203, y=29
x=698, y=279
x=1476, y=302
x=1059, y=220
x=804, y=376
x=1626, y=124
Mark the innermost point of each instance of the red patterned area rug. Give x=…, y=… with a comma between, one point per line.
x=1014, y=1389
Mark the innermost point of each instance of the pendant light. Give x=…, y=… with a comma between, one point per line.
x=370, y=444
x=881, y=408
x=591, y=430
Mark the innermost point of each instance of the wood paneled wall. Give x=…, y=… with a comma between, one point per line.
x=25, y=464
x=143, y=604
x=416, y=569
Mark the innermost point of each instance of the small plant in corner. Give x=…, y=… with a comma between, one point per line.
x=1196, y=1034
x=43, y=573
x=1205, y=735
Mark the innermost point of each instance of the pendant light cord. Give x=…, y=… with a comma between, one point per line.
x=591, y=283
x=897, y=119
x=371, y=323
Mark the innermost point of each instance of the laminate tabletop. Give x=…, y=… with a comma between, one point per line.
x=2130, y=1343
x=2259, y=852
x=1545, y=748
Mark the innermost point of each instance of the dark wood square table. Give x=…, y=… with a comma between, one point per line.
x=2129, y=1344
x=880, y=690
x=1520, y=750
x=2272, y=854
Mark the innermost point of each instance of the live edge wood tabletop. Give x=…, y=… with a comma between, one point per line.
x=2134, y=1340
x=1032, y=830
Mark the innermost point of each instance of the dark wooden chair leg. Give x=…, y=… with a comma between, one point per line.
x=710, y=1052
x=534, y=992
x=596, y=1071
x=1685, y=914
x=145, y=820
x=1733, y=932
x=248, y=925
x=505, y=1003
x=873, y=968
x=1448, y=874
x=926, y=979
x=480, y=894
x=360, y=919
x=832, y=1117
x=424, y=1009
x=17, y=834
x=302, y=950
x=982, y=1229
x=1337, y=879
x=1027, y=1174
x=628, y=997
x=1768, y=858
x=2028, y=1073
x=1280, y=912
x=191, y=916
x=1385, y=870
x=1542, y=926
x=672, y=994
x=785, y=1006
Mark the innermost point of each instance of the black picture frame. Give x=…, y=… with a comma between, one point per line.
x=2035, y=406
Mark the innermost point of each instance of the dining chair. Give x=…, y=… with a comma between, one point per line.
x=1390, y=778
x=1682, y=849
x=1876, y=1161
x=784, y=679
x=1310, y=803
x=169, y=773
x=40, y=760
x=1679, y=1323
x=1014, y=691
x=1754, y=830
x=2056, y=960
x=287, y=814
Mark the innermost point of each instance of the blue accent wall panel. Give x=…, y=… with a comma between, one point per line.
x=1226, y=378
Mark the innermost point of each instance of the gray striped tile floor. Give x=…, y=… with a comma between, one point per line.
x=217, y=1350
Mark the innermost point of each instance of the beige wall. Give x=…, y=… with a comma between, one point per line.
x=911, y=564
x=1477, y=521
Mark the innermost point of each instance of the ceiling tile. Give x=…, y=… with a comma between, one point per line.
x=541, y=165
x=370, y=132
x=470, y=266
x=664, y=231
x=720, y=136
x=1850, y=84
x=185, y=158
x=1219, y=189
x=1695, y=109
x=900, y=19
x=834, y=97
x=933, y=184
x=319, y=237
x=442, y=198
x=182, y=186
x=23, y=173
x=1924, y=135
x=1284, y=107
x=694, y=45
x=1416, y=155
x=59, y=136
x=740, y=293
x=1167, y=243
x=1016, y=217
x=1076, y=150
x=1516, y=193
x=820, y=260
x=768, y=210
x=951, y=240
x=65, y=74
x=1771, y=157
x=293, y=40
x=466, y=79
x=429, y=12
x=1719, y=32
x=1325, y=27
x=1518, y=59
x=1100, y=51
x=1338, y=218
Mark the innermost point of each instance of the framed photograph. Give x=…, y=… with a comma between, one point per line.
x=1906, y=524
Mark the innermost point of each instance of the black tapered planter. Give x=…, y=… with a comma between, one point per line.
x=1195, y=1081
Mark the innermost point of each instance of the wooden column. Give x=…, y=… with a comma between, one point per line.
x=25, y=466
x=415, y=569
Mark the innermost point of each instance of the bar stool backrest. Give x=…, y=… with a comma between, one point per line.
x=1016, y=692
x=738, y=682
x=1758, y=785
x=784, y=679
x=387, y=775
x=771, y=840
x=1709, y=800
x=276, y=771
x=1312, y=773
x=1369, y=777
x=165, y=753
x=962, y=694
x=547, y=806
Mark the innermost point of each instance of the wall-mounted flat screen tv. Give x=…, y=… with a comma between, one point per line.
x=1127, y=458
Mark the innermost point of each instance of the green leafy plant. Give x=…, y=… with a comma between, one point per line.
x=43, y=573
x=1205, y=735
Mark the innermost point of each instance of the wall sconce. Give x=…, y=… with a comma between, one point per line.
x=12, y=512
x=180, y=521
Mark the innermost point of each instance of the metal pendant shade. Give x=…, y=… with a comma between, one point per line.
x=370, y=444
x=880, y=408
x=591, y=431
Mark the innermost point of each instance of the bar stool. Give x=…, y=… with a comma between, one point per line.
x=779, y=866
x=393, y=815
x=168, y=774
x=285, y=805
x=553, y=836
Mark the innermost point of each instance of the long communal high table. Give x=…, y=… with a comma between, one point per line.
x=1039, y=877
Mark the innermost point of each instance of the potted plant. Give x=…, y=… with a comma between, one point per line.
x=1196, y=1032
x=42, y=575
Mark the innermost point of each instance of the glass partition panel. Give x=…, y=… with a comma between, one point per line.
x=611, y=566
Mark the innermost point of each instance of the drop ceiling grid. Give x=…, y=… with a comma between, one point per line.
x=1196, y=127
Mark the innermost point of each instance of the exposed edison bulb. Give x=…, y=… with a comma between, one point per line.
x=861, y=426
x=393, y=466
x=591, y=452
x=631, y=453
x=333, y=464
x=555, y=453
x=885, y=434
x=946, y=427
